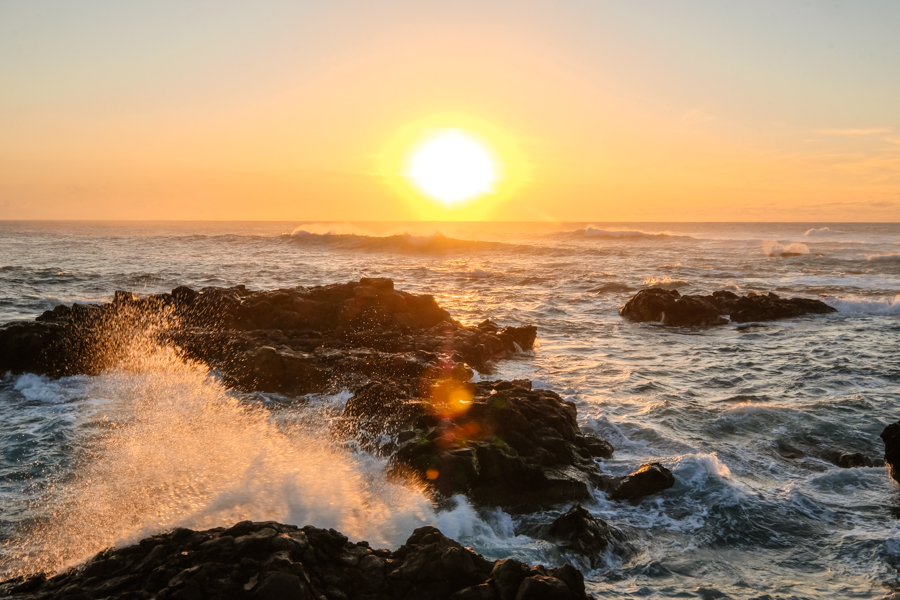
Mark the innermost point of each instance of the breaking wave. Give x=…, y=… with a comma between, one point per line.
x=621, y=234
x=666, y=283
x=885, y=307
x=820, y=231
x=403, y=243
x=773, y=248
x=171, y=447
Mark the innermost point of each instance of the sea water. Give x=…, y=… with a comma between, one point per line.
x=744, y=415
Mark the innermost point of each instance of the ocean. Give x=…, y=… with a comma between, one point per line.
x=745, y=416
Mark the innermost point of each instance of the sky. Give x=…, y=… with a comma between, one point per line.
x=638, y=110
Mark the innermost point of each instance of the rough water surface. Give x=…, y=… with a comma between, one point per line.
x=748, y=417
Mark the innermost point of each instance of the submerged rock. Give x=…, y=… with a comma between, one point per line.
x=263, y=561
x=854, y=460
x=671, y=308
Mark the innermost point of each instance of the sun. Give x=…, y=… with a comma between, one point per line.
x=453, y=166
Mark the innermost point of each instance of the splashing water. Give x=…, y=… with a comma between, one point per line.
x=176, y=449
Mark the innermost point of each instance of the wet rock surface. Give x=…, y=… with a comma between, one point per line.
x=671, y=308
x=651, y=478
x=271, y=561
x=891, y=438
x=498, y=442
x=290, y=341
x=580, y=532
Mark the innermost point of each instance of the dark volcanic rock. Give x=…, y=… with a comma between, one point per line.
x=291, y=341
x=856, y=459
x=256, y=561
x=579, y=531
x=766, y=307
x=649, y=479
x=500, y=443
x=671, y=308
x=891, y=437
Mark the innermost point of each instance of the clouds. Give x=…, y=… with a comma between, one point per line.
x=854, y=132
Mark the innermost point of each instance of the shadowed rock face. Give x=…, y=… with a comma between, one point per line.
x=291, y=341
x=500, y=443
x=891, y=437
x=651, y=478
x=671, y=308
x=270, y=561
x=580, y=532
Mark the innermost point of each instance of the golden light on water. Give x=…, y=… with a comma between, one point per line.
x=453, y=166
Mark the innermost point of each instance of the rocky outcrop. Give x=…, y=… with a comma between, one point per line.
x=500, y=443
x=580, y=532
x=292, y=341
x=766, y=307
x=853, y=460
x=271, y=561
x=651, y=478
x=671, y=308
x=891, y=438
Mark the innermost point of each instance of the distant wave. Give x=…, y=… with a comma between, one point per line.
x=612, y=288
x=666, y=283
x=773, y=248
x=820, y=231
x=404, y=243
x=885, y=306
x=594, y=232
x=888, y=257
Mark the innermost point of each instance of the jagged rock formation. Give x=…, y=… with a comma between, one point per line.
x=292, y=341
x=271, y=561
x=651, y=478
x=500, y=443
x=671, y=308
x=581, y=532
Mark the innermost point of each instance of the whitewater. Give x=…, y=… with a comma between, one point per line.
x=746, y=416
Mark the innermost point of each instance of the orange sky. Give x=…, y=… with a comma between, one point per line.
x=637, y=111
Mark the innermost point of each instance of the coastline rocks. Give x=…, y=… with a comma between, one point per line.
x=291, y=341
x=271, y=561
x=581, y=532
x=649, y=479
x=499, y=443
x=891, y=437
x=853, y=460
x=671, y=308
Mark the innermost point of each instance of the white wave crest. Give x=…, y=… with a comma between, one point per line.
x=773, y=248
x=820, y=231
x=666, y=283
x=330, y=229
x=887, y=306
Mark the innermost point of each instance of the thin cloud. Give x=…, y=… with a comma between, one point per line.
x=854, y=132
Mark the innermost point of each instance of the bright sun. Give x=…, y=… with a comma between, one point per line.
x=452, y=166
